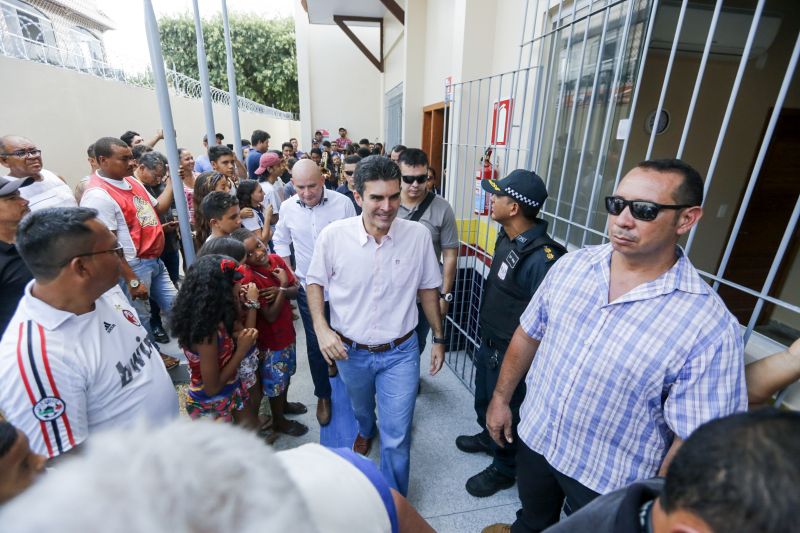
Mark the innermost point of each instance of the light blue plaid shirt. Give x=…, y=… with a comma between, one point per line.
x=612, y=383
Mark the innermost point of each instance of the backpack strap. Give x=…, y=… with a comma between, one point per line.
x=422, y=207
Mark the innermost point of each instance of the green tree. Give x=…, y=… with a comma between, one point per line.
x=263, y=54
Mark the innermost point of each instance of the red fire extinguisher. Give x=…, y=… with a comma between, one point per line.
x=486, y=172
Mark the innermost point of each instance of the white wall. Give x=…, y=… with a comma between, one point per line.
x=439, y=29
x=343, y=87
x=64, y=111
x=414, y=73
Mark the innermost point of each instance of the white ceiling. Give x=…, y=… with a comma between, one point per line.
x=322, y=11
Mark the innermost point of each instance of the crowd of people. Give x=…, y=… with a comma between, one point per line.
x=598, y=370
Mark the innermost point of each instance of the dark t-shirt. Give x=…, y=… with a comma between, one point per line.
x=14, y=276
x=170, y=237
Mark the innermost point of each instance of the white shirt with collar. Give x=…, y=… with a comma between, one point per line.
x=50, y=191
x=300, y=225
x=64, y=376
x=372, y=288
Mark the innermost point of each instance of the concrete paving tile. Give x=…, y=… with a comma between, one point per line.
x=475, y=520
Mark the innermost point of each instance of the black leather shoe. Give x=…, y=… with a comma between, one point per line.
x=488, y=482
x=160, y=335
x=474, y=443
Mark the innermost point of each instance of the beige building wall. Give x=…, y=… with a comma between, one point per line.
x=64, y=111
x=339, y=86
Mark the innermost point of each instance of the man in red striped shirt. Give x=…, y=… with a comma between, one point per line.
x=75, y=357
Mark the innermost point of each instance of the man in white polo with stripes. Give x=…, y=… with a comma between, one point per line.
x=75, y=358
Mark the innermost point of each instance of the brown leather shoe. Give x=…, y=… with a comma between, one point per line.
x=362, y=445
x=497, y=528
x=324, y=411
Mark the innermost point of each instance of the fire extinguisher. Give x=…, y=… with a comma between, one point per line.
x=486, y=172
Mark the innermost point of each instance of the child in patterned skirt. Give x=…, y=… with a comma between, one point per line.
x=203, y=317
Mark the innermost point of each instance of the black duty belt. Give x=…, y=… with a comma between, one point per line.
x=495, y=344
x=377, y=348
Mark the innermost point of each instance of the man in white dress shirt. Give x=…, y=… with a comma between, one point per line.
x=24, y=159
x=302, y=218
x=373, y=267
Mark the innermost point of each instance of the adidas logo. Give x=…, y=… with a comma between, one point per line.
x=109, y=327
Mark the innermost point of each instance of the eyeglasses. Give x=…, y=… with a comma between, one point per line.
x=33, y=152
x=419, y=179
x=119, y=251
x=640, y=209
x=349, y=172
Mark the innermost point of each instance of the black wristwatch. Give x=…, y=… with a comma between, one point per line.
x=440, y=340
x=447, y=297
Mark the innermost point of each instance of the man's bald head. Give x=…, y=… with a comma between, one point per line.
x=306, y=169
x=9, y=140
x=308, y=182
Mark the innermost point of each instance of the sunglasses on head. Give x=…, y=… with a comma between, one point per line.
x=419, y=179
x=640, y=209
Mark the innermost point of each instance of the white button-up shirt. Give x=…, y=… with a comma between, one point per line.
x=300, y=225
x=372, y=288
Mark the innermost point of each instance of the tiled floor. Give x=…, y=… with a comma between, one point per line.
x=438, y=470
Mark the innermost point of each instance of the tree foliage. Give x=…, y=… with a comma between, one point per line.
x=263, y=55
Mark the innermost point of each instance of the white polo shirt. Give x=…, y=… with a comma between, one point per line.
x=64, y=376
x=301, y=225
x=50, y=191
x=372, y=288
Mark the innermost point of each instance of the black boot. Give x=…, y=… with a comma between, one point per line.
x=488, y=482
x=474, y=443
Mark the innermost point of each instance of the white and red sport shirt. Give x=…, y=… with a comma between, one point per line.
x=64, y=376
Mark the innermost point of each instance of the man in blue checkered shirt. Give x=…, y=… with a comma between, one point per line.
x=633, y=351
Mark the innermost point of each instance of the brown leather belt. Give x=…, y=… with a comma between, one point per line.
x=376, y=348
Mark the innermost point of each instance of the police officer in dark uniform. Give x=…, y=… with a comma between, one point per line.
x=523, y=255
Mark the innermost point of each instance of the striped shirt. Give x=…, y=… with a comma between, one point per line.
x=613, y=383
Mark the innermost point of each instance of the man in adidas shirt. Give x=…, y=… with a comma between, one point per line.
x=75, y=358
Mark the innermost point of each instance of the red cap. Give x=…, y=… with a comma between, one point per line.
x=267, y=160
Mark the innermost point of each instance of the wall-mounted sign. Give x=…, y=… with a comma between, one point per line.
x=500, y=122
x=448, y=89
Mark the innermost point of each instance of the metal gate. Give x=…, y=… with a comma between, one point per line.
x=596, y=92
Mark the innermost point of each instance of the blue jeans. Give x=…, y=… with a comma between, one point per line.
x=154, y=275
x=171, y=260
x=316, y=362
x=392, y=377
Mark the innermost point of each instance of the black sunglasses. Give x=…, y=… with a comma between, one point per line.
x=419, y=179
x=349, y=172
x=640, y=209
